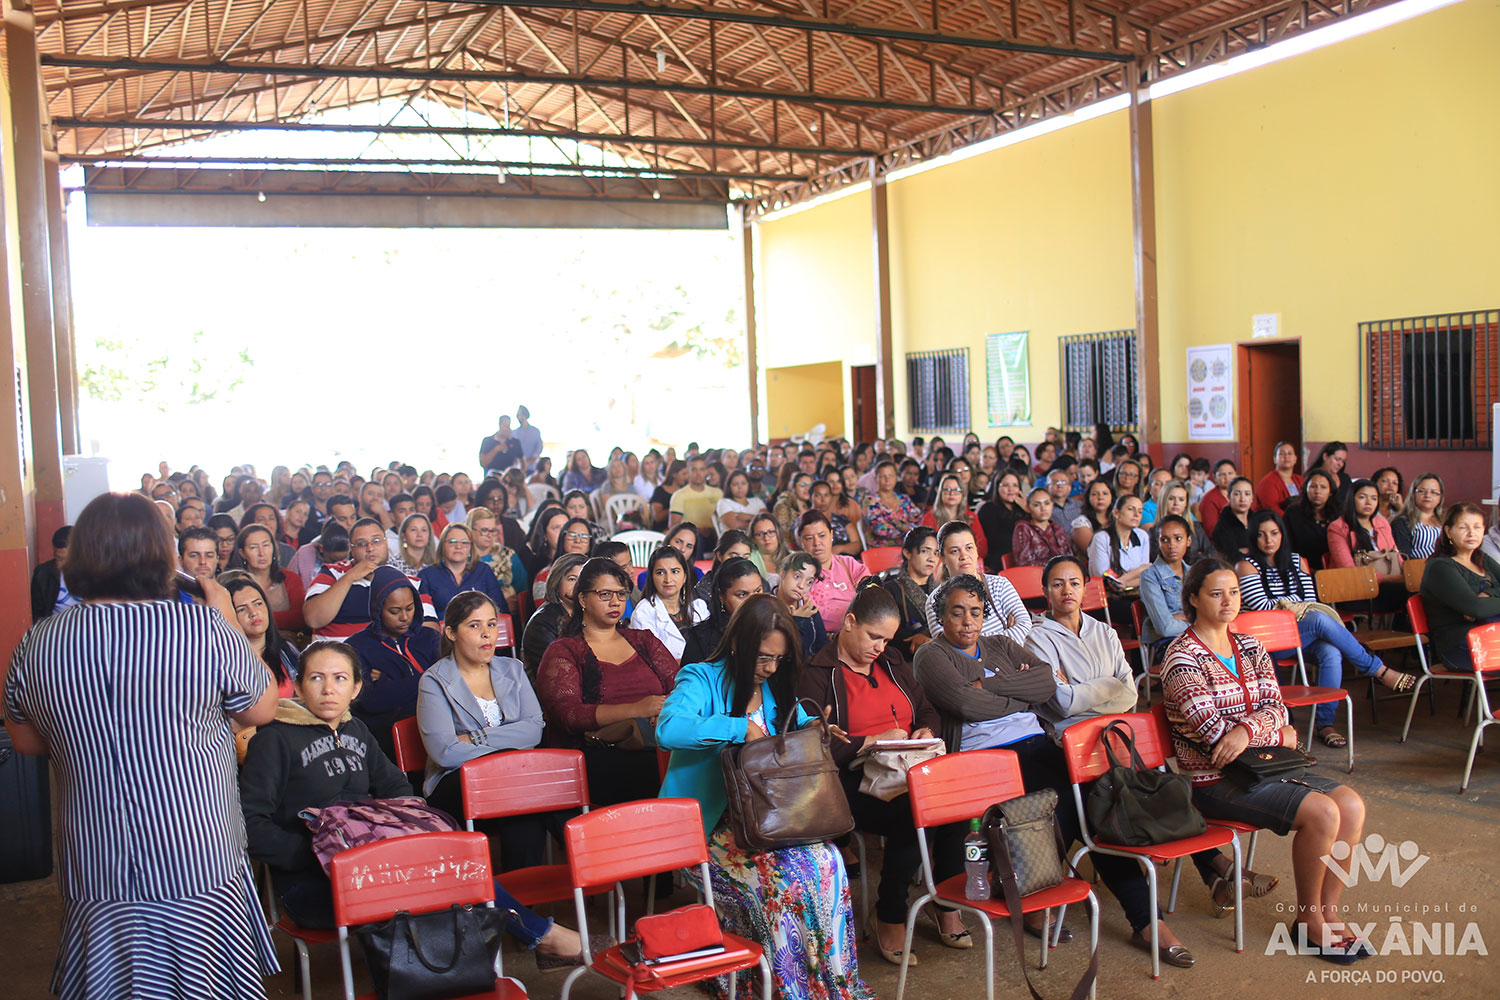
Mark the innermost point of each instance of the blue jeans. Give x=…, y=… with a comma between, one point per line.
x=1328, y=644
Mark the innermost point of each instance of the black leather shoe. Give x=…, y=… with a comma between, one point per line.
x=1063, y=937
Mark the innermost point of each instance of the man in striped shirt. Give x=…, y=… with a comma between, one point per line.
x=338, y=600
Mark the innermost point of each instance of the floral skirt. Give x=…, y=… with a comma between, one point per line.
x=795, y=903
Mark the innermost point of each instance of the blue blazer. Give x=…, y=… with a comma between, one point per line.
x=696, y=726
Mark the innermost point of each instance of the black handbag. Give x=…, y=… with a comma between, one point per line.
x=1138, y=807
x=1257, y=764
x=1026, y=852
x=433, y=956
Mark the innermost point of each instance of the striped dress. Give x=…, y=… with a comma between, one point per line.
x=158, y=899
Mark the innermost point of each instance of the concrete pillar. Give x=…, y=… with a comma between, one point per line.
x=62, y=308
x=1143, y=200
x=752, y=354
x=24, y=78
x=880, y=243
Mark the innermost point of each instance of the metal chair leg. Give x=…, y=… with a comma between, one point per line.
x=1176, y=882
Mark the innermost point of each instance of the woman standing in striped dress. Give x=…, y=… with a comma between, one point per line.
x=131, y=693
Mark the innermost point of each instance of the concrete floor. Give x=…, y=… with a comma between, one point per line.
x=1410, y=794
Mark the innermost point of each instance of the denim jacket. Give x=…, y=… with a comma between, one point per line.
x=1161, y=591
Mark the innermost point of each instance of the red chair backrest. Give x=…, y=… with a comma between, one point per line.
x=1163, y=728
x=523, y=781
x=419, y=873
x=1417, y=612
x=1484, y=647
x=1276, y=630
x=881, y=558
x=1138, y=617
x=704, y=566
x=505, y=634
x=1007, y=561
x=1027, y=580
x=1085, y=752
x=960, y=786
x=411, y=753
x=1093, y=595
x=618, y=843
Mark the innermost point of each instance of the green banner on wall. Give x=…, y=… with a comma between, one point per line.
x=1008, y=379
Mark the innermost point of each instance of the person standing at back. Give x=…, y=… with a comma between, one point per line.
x=500, y=450
x=529, y=436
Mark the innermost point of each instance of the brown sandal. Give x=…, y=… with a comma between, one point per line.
x=1331, y=737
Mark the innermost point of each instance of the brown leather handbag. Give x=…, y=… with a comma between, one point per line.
x=784, y=790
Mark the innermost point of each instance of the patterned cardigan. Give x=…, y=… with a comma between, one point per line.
x=1203, y=700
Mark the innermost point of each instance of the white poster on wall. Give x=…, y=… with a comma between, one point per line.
x=1210, y=396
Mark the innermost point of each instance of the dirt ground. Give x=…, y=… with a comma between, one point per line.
x=1410, y=791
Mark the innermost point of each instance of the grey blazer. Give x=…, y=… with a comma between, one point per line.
x=446, y=707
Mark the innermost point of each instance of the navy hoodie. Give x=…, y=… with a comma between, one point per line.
x=401, y=659
x=299, y=762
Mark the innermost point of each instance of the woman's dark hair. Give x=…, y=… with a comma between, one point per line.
x=443, y=494
x=459, y=609
x=121, y=550
x=1359, y=538
x=561, y=567
x=1327, y=512
x=685, y=595
x=729, y=479
x=238, y=580
x=334, y=536
x=966, y=582
x=329, y=646
x=566, y=528
x=680, y=528
x=949, y=529
x=992, y=492
x=1192, y=582
x=591, y=573
x=1140, y=476
x=1328, y=450
x=249, y=518
x=1444, y=543
x=484, y=490
x=421, y=491
x=213, y=524
x=801, y=560
x=729, y=540
x=914, y=539
x=1281, y=564
x=539, y=543
x=1057, y=561
x=873, y=604
x=575, y=493
x=1172, y=465
x=757, y=618
x=277, y=575
x=1232, y=484
x=1113, y=535
x=1400, y=479
x=886, y=462
x=724, y=576
x=808, y=518
x=1176, y=519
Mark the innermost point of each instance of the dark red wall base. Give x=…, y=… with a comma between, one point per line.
x=1465, y=473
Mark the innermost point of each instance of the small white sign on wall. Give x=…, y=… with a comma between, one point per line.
x=1265, y=325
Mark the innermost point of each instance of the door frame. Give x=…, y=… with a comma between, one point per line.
x=1242, y=349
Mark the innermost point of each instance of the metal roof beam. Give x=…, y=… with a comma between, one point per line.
x=144, y=66
x=740, y=16
x=221, y=125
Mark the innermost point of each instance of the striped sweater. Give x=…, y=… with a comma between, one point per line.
x=1259, y=591
x=1203, y=700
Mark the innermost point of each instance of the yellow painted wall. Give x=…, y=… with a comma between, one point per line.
x=1035, y=236
x=815, y=292
x=800, y=396
x=1352, y=183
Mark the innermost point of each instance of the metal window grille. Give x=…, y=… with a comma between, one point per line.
x=1430, y=381
x=1099, y=379
x=937, y=390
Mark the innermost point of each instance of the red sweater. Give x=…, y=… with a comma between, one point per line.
x=1204, y=700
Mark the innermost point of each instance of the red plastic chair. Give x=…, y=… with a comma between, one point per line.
x=704, y=566
x=411, y=752
x=1417, y=612
x=636, y=839
x=1008, y=560
x=1027, y=580
x=881, y=558
x=1164, y=733
x=519, y=782
x=1484, y=648
x=1095, y=599
x=957, y=788
x=505, y=635
x=1149, y=668
x=1277, y=631
x=416, y=874
x=1084, y=749
x=300, y=936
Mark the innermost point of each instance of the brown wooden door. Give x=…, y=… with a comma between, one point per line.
x=862, y=392
x=1270, y=400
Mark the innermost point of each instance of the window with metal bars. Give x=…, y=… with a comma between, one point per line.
x=1099, y=378
x=1430, y=381
x=937, y=390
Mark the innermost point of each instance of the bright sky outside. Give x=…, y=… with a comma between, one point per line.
x=291, y=346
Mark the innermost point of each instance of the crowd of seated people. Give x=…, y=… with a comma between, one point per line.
x=394, y=591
